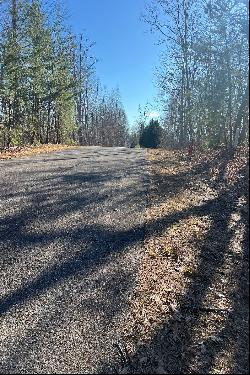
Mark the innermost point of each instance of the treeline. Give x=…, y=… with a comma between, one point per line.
x=203, y=77
x=49, y=92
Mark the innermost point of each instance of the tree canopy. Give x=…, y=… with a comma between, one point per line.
x=49, y=92
x=203, y=73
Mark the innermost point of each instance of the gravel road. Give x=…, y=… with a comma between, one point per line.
x=71, y=229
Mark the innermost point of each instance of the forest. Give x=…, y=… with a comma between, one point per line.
x=203, y=72
x=49, y=92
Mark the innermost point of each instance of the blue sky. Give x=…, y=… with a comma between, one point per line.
x=126, y=49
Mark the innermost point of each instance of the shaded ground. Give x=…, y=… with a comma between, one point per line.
x=78, y=296
x=189, y=312
x=71, y=226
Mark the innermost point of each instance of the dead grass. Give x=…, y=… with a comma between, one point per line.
x=16, y=152
x=189, y=312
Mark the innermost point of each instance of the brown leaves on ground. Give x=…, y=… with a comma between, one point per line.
x=189, y=312
x=15, y=152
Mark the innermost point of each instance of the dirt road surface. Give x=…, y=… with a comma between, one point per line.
x=71, y=231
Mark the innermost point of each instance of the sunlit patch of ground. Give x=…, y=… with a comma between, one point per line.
x=189, y=313
x=15, y=152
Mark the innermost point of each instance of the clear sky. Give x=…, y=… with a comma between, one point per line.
x=126, y=49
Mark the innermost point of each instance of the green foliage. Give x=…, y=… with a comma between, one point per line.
x=151, y=135
x=47, y=90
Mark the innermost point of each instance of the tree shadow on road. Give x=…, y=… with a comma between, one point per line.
x=102, y=242
x=63, y=216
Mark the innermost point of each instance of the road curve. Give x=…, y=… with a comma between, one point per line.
x=71, y=229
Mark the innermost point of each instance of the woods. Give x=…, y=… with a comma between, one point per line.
x=49, y=92
x=203, y=74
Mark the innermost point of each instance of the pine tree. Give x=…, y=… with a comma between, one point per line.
x=48, y=88
x=151, y=135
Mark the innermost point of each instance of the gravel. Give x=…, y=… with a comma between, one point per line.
x=71, y=231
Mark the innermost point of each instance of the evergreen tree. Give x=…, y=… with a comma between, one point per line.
x=48, y=89
x=151, y=135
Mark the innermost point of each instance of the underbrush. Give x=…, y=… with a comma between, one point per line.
x=189, y=312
